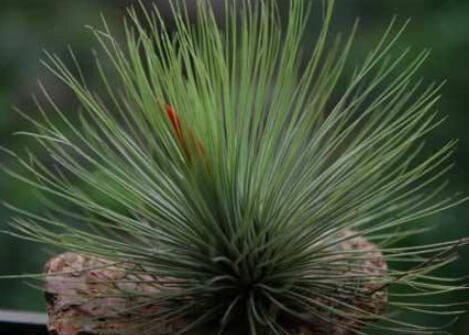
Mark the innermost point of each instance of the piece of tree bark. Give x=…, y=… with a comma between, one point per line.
x=84, y=296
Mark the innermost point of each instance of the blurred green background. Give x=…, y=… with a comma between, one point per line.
x=29, y=26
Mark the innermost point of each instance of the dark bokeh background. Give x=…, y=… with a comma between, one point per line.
x=29, y=26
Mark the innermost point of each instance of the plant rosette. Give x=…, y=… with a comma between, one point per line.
x=226, y=178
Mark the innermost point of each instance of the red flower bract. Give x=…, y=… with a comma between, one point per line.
x=178, y=130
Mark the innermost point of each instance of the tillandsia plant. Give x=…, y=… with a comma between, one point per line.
x=254, y=188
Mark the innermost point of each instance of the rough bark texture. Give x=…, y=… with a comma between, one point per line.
x=92, y=288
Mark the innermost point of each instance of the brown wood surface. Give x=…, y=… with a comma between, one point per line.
x=84, y=296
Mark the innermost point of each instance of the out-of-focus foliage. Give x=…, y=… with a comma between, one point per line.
x=26, y=29
x=28, y=26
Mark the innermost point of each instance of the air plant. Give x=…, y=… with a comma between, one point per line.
x=233, y=168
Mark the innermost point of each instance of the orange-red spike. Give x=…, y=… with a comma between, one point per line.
x=177, y=126
x=176, y=123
